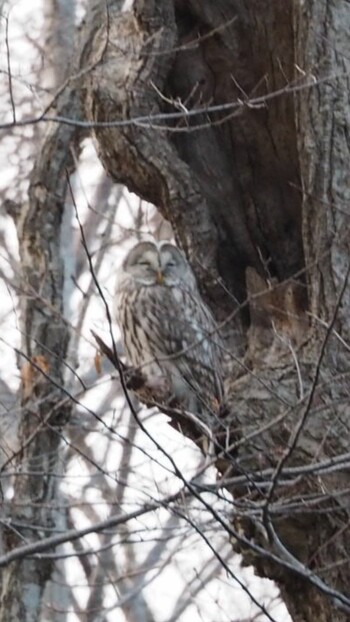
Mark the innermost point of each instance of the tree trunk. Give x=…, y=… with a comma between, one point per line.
x=45, y=340
x=256, y=190
x=45, y=408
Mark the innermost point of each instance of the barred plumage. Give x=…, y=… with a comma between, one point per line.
x=167, y=329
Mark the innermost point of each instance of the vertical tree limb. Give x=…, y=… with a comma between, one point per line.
x=45, y=340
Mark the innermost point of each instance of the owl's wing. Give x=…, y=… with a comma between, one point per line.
x=190, y=339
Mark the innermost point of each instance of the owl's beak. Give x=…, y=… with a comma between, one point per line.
x=160, y=278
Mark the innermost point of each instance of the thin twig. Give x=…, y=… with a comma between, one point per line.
x=148, y=121
x=8, y=56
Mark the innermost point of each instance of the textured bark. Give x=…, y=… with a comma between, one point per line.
x=45, y=334
x=323, y=119
x=45, y=338
x=265, y=190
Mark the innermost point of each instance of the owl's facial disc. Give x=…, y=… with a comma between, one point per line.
x=151, y=265
x=143, y=264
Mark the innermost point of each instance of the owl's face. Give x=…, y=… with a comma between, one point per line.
x=157, y=264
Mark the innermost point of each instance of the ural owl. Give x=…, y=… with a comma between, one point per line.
x=168, y=331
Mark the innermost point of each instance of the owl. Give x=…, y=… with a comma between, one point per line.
x=168, y=331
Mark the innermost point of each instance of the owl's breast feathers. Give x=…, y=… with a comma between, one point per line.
x=189, y=337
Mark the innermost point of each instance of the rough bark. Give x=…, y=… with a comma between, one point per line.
x=264, y=190
x=45, y=338
x=45, y=335
x=323, y=118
